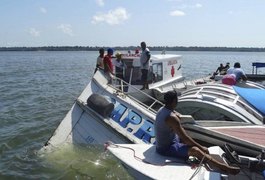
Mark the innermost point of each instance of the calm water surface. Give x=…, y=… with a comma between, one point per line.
x=36, y=91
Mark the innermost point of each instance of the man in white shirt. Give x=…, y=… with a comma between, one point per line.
x=145, y=63
x=238, y=72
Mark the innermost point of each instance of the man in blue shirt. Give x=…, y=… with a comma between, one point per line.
x=172, y=140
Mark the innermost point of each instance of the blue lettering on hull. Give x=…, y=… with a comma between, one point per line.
x=133, y=122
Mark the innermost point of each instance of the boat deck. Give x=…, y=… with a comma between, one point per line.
x=253, y=134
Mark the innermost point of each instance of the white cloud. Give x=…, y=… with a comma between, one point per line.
x=100, y=2
x=113, y=17
x=198, y=5
x=43, y=10
x=186, y=6
x=34, y=32
x=177, y=13
x=66, y=28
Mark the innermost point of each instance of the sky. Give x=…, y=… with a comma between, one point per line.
x=211, y=23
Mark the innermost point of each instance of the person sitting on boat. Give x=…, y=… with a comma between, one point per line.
x=220, y=70
x=227, y=66
x=145, y=63
x=108, y=67
x=100, y=58
x=234, y=74
x=119, y=66
x=172, y=140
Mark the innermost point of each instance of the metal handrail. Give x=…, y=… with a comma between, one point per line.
x=124, y=84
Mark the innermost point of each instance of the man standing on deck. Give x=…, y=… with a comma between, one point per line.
x=108, y=67
x=172, y=140
x=100, y=58
x=145, y=63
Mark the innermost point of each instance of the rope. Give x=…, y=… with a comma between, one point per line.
x=111, y=144
x=198, y=168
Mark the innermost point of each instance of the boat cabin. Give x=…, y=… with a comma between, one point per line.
x=164, y=70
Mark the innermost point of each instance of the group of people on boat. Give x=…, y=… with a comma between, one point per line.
x=230, y=75
x=221, y=70
x=105, y=62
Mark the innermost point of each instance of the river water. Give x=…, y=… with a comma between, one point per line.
x=36, y=91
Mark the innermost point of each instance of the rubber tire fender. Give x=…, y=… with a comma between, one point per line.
x=100, y=104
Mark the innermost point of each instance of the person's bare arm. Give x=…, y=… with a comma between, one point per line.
x=244, y=77
x=174, y=123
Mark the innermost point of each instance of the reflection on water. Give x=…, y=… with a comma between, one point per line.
x=83, y=162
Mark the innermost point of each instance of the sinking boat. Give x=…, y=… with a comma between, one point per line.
x=112, y=111
x=103, y=112
x=142, y=162
x=121, y=113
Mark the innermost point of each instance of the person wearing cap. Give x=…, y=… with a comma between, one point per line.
x=108, y=67
x=119, y=67
x=145, y=63
x=172, y=140
x=100, y=63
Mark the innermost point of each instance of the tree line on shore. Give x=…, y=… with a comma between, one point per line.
x=152, y=48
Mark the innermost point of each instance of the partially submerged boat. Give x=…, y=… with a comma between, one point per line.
x=121, y=113
x=103, y=112
x=111, y=111
x=142, y=162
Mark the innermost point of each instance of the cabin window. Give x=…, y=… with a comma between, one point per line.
x=157, y=72
x=200, y=114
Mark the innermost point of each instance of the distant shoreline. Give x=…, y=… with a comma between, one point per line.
x=132, y=48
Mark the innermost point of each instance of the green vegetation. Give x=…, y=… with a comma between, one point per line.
x=154, y=48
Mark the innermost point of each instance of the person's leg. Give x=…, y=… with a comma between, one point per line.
x=109, y=78
x=194, y=151
x=144, y=78
x=177, y=150
x=145, y=83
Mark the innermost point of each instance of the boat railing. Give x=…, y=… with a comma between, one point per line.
x=186, y=84
x=216, y=87
x=122, y=86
